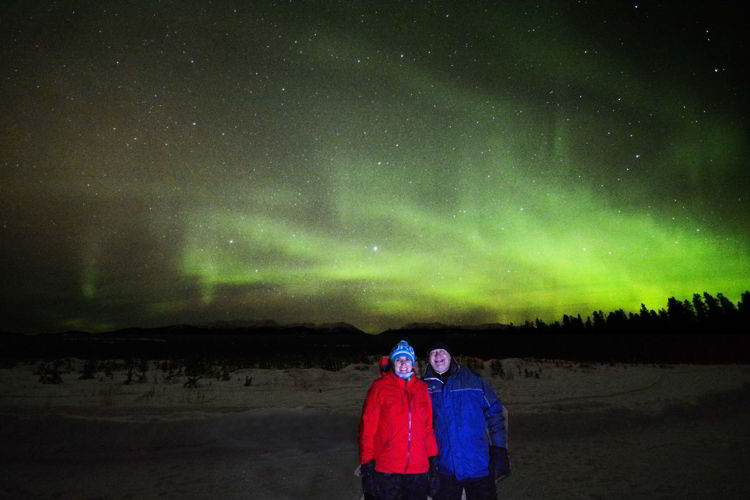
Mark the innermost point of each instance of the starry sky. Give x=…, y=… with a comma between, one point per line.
x=377, y=163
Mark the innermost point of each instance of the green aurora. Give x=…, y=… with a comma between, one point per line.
x=303, y=167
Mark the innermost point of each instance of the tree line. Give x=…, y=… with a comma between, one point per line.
x=703, y=314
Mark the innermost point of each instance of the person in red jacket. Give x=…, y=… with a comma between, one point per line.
x=397, y=446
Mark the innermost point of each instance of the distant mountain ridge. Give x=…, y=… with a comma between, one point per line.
x=258, y=341
x=271, y=324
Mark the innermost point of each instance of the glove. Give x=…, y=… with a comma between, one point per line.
x=433, y=478
x=499, y=462
x=367, y=471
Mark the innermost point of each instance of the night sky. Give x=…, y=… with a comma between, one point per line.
x=378, y=163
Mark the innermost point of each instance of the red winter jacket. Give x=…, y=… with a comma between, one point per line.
x=396, y=426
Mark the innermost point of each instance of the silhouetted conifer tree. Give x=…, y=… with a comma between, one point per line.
x=701, y=311
x=600, y=324
x=743, y=313
x=674, y=310
x=566, y=322
x=617, y=321
x=578, y=322
x=729, y=312
x=743, y=306
x=726, y=305
x=663, y=319
x=644, y=321
x=688, y=314
x=714, y=309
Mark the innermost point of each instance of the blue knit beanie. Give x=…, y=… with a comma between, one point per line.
x=403, y=349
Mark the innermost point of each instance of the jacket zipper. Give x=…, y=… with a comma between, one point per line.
x=408, y=402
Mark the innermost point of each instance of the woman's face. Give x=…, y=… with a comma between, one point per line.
x=403, y=365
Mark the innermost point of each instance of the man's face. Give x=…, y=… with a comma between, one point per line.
x=440, y=360
x=402, y=365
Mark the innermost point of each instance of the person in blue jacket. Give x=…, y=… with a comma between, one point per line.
x=469, y=422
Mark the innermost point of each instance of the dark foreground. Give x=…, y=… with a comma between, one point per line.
x=572, y=451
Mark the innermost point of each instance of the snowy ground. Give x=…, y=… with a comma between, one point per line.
x=576, y=432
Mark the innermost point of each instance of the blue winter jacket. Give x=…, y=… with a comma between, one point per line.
x=468, y=418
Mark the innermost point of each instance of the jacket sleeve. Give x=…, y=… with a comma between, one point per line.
x=494, y=415
x=432, y=447
x=368, y=425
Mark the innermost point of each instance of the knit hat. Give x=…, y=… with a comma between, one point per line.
x=439, y=345
x=403, y=349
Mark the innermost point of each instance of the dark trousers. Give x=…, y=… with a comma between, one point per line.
x=482, y=488
x=401, y=486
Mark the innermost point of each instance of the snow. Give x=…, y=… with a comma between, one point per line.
x=576, y=431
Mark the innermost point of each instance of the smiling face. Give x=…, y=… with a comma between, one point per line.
x=440, y=360
x=402, y=365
